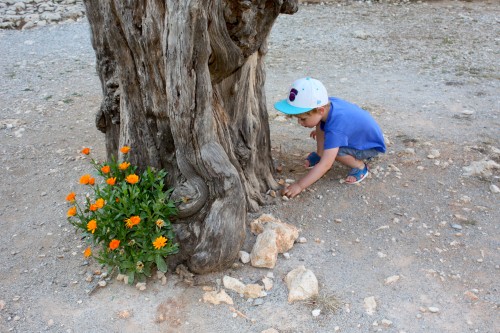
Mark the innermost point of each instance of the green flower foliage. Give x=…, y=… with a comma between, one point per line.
x=126, y=218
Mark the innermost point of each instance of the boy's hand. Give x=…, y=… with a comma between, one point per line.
x=292, y=190
x=313, y=134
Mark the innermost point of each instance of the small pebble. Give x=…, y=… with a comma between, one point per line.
x=141, y=286
x=433, y=309
x=102, y=283
x=494, y=189
x=456, y=226
x=386, y=322
x=302, y=240
x=316, y=312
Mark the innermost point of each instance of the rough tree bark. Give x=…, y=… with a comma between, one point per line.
x=183, y=84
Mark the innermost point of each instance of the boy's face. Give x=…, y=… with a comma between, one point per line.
x=309, y=120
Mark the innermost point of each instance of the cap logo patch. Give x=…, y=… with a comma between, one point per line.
x=292, y=95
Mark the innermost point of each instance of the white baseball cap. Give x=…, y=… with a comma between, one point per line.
x=304, y=95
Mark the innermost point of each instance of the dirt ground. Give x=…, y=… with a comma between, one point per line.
x=428, y=72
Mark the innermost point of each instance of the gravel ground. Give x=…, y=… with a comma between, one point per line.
x=429, y=74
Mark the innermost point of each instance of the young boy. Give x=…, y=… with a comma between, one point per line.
x=343, y=132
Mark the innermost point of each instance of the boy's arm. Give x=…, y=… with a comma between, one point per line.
x=314, y=174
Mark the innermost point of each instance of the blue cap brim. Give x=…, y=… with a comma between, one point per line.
x=286, y=108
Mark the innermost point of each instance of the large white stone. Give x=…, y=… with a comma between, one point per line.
x=286, y=233
x=302, y=284
x=233, y=284
x=265, y=250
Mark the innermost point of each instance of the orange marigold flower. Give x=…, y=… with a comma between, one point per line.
x=91, y=181
x=71, y=211
x=125, y=149
x=86, y=151
x=85, y=179
x=117, y=200
x=105, y=169
x=92, y=226
x=124, y=165
x=71, y=197
x=87, y=253
x=111, y=181
x=100, y=203
x=133, y=220
x=159, y=242
x=93, y=207
x=132, y=179
x=114, y=244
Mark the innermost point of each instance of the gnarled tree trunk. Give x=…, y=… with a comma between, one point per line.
x=183, y=84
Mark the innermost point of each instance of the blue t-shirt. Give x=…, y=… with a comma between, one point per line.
x=348, y=125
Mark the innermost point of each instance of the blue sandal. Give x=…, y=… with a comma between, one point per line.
x=359, y=174
x=313, y=159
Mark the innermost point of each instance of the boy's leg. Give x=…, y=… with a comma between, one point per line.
x=351, y=161
x=354, y=159
x=354, y=164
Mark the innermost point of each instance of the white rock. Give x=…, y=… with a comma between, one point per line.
x=481, y=168
x=268, y=283
x=233, y=284
x=302, y=284
x=433, y=309
x=391, y=279
x=50, y=17
x=361, y=34
x=434, y=153
x=141, y=286
x=494, y=189
x=386, y=322
x=216, y=298
x=302, y=240
x=281, y=119
x=265, y=250
x=286, y=234
x=244, y=257
x=102, y=283
x=316, y=312
x=370, y=305
x=409, y=151
x=254, y=291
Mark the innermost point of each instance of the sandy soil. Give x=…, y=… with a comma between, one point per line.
x=429, y=74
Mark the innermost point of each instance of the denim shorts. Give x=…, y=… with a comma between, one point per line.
x=358, y=154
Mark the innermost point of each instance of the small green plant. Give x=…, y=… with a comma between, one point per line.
x=125, y=218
